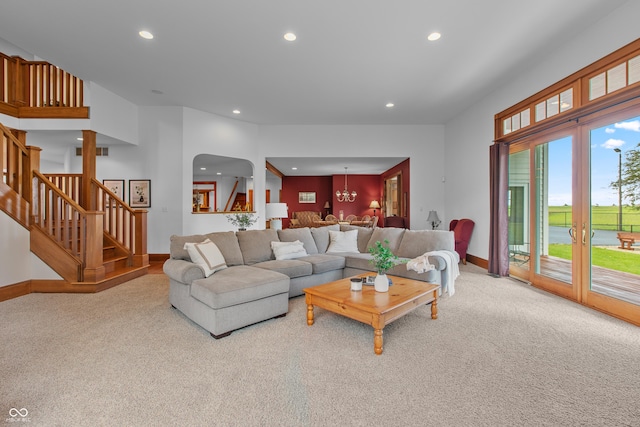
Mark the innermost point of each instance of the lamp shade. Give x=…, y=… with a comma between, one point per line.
x=374, y=205
x=433, y=217
x=327, y=205
x=277, y=210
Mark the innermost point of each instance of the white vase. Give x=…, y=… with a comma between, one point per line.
x=381, y=284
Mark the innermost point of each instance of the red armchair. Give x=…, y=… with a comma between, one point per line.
x=462, y=229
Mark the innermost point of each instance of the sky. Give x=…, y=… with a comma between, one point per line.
x=604, y=163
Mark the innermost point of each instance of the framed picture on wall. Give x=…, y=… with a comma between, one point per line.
x=306, y=197
x=116, y=186
x=140, y=193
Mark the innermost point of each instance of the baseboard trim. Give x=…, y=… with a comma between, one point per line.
x=158, y=257
x=480, y=262
x=16, y=290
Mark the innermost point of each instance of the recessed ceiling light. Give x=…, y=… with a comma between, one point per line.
x=146, y=34
x=294, y=168
x=80, y=139
x=236, y=111
x=203, y=169
x=390, y=105
x=434, y=36
x=218, y=173
x=290, y=37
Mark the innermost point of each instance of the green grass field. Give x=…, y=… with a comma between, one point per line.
x=602, y=217
x=628, y=262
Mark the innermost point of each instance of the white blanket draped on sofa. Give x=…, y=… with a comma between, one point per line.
x=421, y=264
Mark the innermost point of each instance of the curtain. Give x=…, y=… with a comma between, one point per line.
x=499, y=220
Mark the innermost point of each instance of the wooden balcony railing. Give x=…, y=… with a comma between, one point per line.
x=38, y=89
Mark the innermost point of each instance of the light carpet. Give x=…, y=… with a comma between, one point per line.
x=501, y=353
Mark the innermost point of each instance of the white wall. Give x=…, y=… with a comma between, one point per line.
x=17, y=263
x=112, y=115
x=468, y=136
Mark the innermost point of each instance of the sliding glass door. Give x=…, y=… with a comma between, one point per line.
x=572, y=214
x=613, y=271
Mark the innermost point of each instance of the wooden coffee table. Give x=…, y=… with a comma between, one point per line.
x=368, y=306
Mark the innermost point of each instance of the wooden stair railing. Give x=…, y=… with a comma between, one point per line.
x=126, y=227
x=18, y=161
x=58, y=220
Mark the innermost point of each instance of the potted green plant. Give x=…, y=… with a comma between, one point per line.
x=384, y=260
x=242, y=220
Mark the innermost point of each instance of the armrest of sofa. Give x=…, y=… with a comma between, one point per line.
x=182, y=271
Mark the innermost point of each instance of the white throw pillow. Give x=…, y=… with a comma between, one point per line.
x=288, y=250
x=206, y=255
x=343, y=241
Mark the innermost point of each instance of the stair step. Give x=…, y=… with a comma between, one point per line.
x=114, y=263
x=113, y=278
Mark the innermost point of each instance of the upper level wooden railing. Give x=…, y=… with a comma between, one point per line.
x=27, y=87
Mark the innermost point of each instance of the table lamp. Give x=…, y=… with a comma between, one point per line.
x=374, y=205
x=275, y=212
x=433, y=219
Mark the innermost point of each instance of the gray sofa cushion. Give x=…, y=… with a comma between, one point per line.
x=256, y=245
x=302, y=234
x=321, y=236
x=321, y=263
x=360, y=261
x=393, y=235
x=291, y=267
x=238, y=285
x=364, y=235
x=228, y=244
x=176, y=247
x=417, y=242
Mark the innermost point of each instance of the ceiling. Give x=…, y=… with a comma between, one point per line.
x=350, y=58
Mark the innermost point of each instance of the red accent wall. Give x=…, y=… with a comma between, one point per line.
x=367, y=186
x=291, y=185
x=368, y=189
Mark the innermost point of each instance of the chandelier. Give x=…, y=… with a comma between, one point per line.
x=345, y=196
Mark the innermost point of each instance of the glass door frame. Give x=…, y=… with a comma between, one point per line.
x=568, y=290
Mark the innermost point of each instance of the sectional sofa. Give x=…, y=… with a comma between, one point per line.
x=249, y=276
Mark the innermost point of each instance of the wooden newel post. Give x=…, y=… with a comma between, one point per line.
x=94, y=269
x=140, y=255
x=88, y=169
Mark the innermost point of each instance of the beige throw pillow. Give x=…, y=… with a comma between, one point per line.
x=206, y=255
x=343, y=241
x=288, y=250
